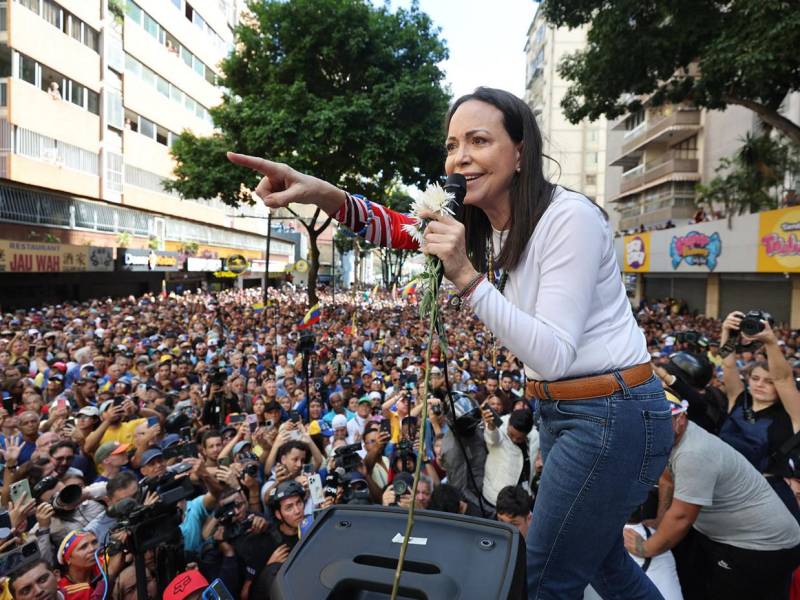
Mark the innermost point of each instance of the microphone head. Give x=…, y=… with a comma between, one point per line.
x=456, y=184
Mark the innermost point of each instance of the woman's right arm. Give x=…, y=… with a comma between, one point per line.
x=730, y=372
x=282, y=185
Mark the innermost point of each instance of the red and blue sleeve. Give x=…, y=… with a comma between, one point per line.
x=375, y=223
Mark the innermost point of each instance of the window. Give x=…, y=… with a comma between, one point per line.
x=162, y=135
x=134, y=12
x=187, y=56
x=148, y=76
x=114, y=108
x=31, y=4
x=3, y=24
x=76, y=94
x=199, y=67
x=74, y=27
x=132, y=65
x=49, y=77
x=175, y=94
x=146, y=127
x=51, y=13
x=189, y=103
x=92, y=102
x=177, y=3
x=131, y=120
x=150, y=26
x=162, y=85
x=27, y=69
x=91, y=38
x=189, y=11
x=591, y=180
x=5, y=61
x=211, y=76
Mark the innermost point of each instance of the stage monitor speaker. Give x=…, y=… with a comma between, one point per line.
x=351, y=553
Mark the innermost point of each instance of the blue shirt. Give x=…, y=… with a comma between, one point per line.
x=192, y=525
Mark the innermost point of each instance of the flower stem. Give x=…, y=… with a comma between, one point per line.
x=434, y=317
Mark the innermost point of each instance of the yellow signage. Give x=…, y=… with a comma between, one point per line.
x=41, y=257
x=779, y=241
x=636, y=253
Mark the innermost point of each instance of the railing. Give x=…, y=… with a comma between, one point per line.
x=650, y=129
x=41, y=147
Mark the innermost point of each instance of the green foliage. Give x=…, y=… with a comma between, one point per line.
x=753, y=179
x=124, y=239
x=190, y=248
x=340, y=89
x=708, y=52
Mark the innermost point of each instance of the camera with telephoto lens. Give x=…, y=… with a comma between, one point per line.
x=753, y=322
x=400, y=487
x=67, y=499
x=696, y=341
x=347, y=458
x=180, y=450
x=226, y=515
x=217, y=376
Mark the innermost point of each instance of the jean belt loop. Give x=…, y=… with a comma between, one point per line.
x=626, y=392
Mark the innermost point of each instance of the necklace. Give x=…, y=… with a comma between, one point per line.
x=497, y=282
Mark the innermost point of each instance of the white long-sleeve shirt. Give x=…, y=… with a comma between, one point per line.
x=564, y=312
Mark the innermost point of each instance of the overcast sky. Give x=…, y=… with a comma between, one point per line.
x=486, y=39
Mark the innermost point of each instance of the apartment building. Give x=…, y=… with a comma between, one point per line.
x=92, y=95
x=578, y=152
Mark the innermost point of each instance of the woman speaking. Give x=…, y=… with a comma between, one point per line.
x=535, y=262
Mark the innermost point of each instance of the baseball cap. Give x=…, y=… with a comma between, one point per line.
x=364, y=400
x=347, y=380
x=240, y=446
x=184, y=584
x=149, y=455
x=375, y=396
x=109, y=448
x=89, y=411
x=319, y=427
x=339, y=422
x=170, y=440
x=677, y=406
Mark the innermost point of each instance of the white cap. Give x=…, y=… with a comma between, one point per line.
x=339, y=422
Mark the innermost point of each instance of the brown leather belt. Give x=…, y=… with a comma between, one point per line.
x=588, y=387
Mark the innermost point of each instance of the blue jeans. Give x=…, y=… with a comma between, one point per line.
x=602, y=456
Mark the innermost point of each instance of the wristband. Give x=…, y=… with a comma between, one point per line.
x=457, y=301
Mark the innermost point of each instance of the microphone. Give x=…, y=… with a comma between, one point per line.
x=456, y=184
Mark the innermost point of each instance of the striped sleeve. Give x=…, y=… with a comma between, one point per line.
x=375, y=223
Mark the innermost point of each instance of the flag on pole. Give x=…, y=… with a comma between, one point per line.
x=312, y=316
x=410, y=288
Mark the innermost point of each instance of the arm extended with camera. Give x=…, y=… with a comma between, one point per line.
x=730, y=372
x=780, y=372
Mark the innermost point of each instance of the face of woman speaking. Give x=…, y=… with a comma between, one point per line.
x=479, y=148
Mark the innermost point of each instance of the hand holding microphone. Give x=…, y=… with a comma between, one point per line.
x=444, y=236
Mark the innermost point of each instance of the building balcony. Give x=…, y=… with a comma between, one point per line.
x=671, y=129
x=667, y=168
x=657, y=211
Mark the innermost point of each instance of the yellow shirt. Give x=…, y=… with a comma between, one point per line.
x=394, y=421
x=122, y=433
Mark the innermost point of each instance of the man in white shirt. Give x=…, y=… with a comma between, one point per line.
x=355, y=426
x=512, y=447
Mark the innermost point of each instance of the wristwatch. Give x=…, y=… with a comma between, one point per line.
x=457, y=301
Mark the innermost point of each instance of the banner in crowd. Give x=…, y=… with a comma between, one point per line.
x=135, y=259
x=40, y=257
x=779, y=241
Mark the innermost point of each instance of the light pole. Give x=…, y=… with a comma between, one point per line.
x=266, y=261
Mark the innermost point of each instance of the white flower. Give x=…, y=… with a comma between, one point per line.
x=433, y=199
x=414, y=231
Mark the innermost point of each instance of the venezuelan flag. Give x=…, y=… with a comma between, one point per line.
x=312, y=316
x=409, y=289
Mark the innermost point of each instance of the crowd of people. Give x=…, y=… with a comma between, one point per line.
x=152, y=445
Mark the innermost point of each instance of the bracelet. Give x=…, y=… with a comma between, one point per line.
x=370, y=216
x=457, y=301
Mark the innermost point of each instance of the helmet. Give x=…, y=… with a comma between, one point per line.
x=286, y=489
x=693, y=369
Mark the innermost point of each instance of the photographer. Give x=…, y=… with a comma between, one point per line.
x=396, y=408
x=512, y=446
x=764, y=410
x=231, y=523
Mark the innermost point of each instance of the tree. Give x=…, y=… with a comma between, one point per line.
x=754, y=178
x=392, y=260
x=708, y=52
x=338, y=88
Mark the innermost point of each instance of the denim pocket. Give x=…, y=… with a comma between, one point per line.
x=595, y=410
x=659, y=438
